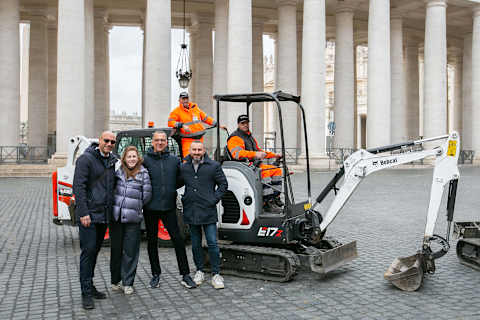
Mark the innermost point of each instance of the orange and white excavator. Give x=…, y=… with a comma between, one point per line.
x=62, y=180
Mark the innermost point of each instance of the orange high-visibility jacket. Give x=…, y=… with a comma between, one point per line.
x=192, y=117
x=243, y=146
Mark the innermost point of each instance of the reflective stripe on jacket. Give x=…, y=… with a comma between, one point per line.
x=243, y=146
x=192, y=117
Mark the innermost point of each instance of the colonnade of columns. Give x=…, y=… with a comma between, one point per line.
x=73, y=82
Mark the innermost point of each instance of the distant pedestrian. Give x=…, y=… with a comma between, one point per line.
x=205, y=184
x=93, y=187
x=164, y=170
x=133, y=190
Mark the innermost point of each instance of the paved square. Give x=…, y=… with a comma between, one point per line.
x=39, y=263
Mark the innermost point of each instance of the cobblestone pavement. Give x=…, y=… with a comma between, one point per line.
x=39, y=263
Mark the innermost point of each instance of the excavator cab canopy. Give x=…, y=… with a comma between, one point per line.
x=275, y=97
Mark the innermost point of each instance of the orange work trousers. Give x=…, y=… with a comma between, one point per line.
x=186, y=142
x=269, y=171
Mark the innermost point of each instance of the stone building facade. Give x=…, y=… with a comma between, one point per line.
x=410, y=43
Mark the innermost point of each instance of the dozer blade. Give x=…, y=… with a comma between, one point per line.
x=468, y=252
x=325, y=260
x=406, y=273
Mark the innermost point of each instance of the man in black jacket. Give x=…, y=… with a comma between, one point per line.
x=164, y=170
x=93, y=187
x=205, y=184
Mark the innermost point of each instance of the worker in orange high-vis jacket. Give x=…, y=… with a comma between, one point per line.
x=188, y=118
x=244, y=147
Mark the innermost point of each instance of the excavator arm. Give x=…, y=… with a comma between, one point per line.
x=364, y=162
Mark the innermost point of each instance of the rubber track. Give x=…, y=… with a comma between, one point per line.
x=292, y=262
x=471, y=262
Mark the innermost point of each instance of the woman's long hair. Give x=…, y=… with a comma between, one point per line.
x=131, y=172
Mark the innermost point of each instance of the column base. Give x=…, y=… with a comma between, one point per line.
x=59, y=159
x=318, y=162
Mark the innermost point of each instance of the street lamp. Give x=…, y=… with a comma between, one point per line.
x=184, y=71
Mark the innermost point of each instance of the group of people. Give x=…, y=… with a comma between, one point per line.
x=122, y=193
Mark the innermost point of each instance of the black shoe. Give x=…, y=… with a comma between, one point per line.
x=155, y=282
x=98, y=295
x=87, y=302
x=188, y=282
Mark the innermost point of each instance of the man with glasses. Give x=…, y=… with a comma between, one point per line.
x=93, y=187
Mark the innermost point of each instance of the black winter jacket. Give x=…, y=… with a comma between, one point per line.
x=164, y=171
x=94, y=187
x=200, y=198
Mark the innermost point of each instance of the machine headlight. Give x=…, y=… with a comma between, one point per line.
x=248, y=200
x=65, y=191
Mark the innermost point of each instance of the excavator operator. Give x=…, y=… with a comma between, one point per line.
x=244, y=147
x=188, y=118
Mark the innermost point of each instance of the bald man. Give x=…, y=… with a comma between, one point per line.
x=93, y=187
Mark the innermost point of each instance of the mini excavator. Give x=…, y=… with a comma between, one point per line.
x=274, y=246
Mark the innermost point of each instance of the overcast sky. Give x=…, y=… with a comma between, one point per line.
x=126, y=51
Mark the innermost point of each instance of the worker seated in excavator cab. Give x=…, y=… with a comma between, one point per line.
x=242, y=146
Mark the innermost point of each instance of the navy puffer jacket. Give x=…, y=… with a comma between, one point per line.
x=164, y=170
x=94, y=185
x=131, y=195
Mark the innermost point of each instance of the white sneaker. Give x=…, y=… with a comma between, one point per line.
x=217, y=282
x=128, y=290
x=117, y=287
x=199, y=277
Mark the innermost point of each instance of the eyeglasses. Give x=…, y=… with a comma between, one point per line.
x=109, y=141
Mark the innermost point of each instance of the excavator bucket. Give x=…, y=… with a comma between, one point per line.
x=406, y=273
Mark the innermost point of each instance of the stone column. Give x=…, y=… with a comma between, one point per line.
x=344, y=81
x=24, y=76
x=476, y=83
x=90, y=70
x=38, y=81
x=193, y=33
x=313, y=75
x=101, y=85
x=107, y=77
x=467, y=94
x=457, y=100
x=204, y=65
x=412, y=106
x=239, y=61
x=257, y=109
x=157, y=62
x=70, y=72
x=398, y=118
x=379, y=97
x=220, y=63
x=10, y=72
x=52, y=78
x=300, y=134
x=435, y=70
x=287, y=66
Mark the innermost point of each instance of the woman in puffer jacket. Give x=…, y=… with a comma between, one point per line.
x=133, y=190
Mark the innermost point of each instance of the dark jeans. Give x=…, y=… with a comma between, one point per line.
x=169, y=219
x=91, y=239
x=213, y=251
x=124, y=250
